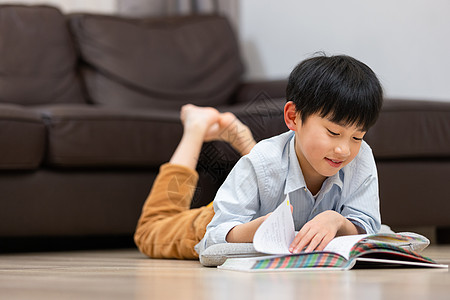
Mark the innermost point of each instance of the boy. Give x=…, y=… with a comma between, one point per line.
x=323, y=165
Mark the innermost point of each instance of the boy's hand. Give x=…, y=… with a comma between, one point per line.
x=318, y=232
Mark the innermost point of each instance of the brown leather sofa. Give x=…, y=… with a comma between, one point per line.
x=89, y=110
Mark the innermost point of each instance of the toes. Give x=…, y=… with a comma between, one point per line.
x=226, y=119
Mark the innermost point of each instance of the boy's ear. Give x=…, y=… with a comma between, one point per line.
x=290, y=115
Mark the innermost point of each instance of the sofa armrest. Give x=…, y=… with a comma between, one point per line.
x=22, y=138
x=249, y=91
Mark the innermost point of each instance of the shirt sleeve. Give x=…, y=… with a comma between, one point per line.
x=362, y=205
x=236, y=202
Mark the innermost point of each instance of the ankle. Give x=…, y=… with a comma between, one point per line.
x=194, y=129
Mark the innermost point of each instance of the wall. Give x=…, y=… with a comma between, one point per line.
x=68, y=6
x=406, y=42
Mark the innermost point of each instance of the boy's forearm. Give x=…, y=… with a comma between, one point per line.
x=244, y=233
x=349, y=228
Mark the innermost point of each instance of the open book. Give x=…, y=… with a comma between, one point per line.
x=276, y=233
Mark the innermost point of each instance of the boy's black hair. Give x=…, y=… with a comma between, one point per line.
x=341, y=88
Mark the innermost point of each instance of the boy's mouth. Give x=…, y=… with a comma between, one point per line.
x=334, y=163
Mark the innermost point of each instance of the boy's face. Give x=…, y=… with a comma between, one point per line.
x=324, y=147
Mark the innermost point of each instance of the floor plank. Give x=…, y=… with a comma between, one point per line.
x=127, y=274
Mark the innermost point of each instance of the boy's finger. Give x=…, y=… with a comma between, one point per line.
x=314, y=243
x=325, y=241
x=298, y=238
x=306, y=240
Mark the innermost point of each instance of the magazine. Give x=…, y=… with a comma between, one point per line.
x=276, y=233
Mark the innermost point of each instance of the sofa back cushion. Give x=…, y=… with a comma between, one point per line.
x=162, y=63
x=38, y=58
x=421, y=130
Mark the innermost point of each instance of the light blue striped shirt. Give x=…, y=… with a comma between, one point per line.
x=260, y=181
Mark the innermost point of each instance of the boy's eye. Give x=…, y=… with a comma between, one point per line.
x=332, y=133
x=358, y=139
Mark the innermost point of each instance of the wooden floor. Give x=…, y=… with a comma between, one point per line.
x=126, y=274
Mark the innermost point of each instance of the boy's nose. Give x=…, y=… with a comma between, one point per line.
x=342, y=150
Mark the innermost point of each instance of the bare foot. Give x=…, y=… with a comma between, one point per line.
x=233, y=131
x=199, y=119
x=209, y=124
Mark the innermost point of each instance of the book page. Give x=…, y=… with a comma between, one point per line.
x=343, y=244
x=276, y=233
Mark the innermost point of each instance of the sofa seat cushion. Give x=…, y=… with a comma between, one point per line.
x=162, y=63
x=97, y=136
x=38, y=57
x=410, y=129
x=22, y=138
x=91, y=136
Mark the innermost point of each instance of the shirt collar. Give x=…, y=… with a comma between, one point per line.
x=336, y=179
x=295, y=179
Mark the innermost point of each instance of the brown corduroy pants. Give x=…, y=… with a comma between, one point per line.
x=168, y=228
